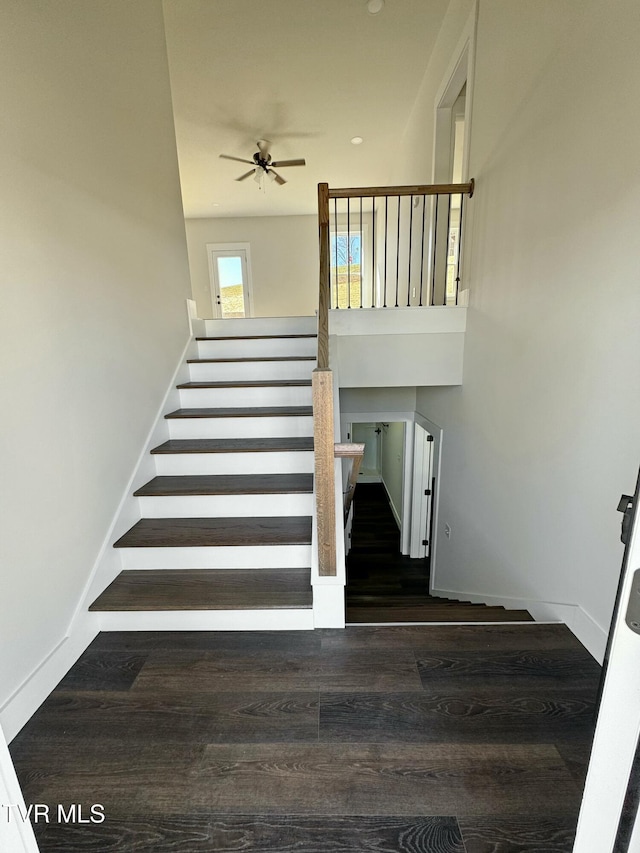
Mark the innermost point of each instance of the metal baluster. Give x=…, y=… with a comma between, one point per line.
x=433, y=260
x=386, y=212
x=424, y=210
x=459, y=246
x=446, y=249
x=410, y=235
x=360, y=250
x=374, y=239
x=335, y=242
x=398, y=254
x=348, y=252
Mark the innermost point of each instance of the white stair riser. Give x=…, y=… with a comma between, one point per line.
x=276, y=427
x=223, y=506
x=263, y=326
x=229, y=371
x=258, y=348
x=224, y=557
x=184, y=464
x=206, y=620
x=210, y=398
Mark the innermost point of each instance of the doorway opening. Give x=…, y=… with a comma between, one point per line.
x=230, y=280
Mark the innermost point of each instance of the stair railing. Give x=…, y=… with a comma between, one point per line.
x=355, y=453
x=380, y=247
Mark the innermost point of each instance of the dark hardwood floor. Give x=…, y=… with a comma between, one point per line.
x=384, y=586
x=424, y=739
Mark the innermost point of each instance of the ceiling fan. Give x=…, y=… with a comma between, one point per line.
x=262, y=164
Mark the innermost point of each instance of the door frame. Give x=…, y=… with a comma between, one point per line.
x=618, y=722
x=408, y=419
x=212, y=250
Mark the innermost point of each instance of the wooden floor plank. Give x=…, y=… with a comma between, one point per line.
x=247, y=383
x=235, y=445
x=212, y=532
x=280, y=671
x=207, y=589
x=259, y=834
x=250, y=360
x=518, y=834
x=243, y=412
x=228, y=484
x=192, y=743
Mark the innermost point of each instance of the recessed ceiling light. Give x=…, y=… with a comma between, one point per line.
x=357, y=140
x=215, y=204
x=375, y=6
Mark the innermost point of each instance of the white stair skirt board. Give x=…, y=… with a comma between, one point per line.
x=263, y=326
x=328, y=605
x=257, y=348
x=183, y=464
x=270, y=395
x=230, y=371
x=207, y=620
x=222, y=557
x=268, y=427
x=224, y=506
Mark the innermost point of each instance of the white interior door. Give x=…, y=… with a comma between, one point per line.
x=422, y=498
x=618, y=724
x=230, y=284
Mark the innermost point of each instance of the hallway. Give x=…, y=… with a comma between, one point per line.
x=455, y=739
x=384, y=586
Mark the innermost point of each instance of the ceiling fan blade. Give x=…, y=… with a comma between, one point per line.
x=237, y=159
x=280, y=163
x=246, y=175
x=279, y=180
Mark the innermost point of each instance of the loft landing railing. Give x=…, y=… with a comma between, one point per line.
x=380, y=247
x=394, y=247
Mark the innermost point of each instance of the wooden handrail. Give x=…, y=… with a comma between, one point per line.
x=354, y=452
x=418, y=189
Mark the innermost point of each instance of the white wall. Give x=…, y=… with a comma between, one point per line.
x=92, y=286
x=542, y=437
x=376, y=401
x=392, y=464
x=284, y=259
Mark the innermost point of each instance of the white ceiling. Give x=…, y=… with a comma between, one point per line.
x=307, y=75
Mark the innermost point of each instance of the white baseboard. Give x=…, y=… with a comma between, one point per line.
x=206, y=620
x=25, y=701
x=592, y=636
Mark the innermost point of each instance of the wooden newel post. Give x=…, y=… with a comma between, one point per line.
x=325, y=262
x=322, y=384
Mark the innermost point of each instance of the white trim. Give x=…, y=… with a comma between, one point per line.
x=207, y=620
x=28, y=697
x=16, y=834
x=618, y=724
x=108, y=563
x=248, y=289
x=437, y=433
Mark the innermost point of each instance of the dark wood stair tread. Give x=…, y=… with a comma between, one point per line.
x=228, y=484
x=427, y=613
x=207, y=589
x=235, y=445
x=249, y=383
x=250, y=412
x=249, y=360
x=216, y=532
x=255, y=337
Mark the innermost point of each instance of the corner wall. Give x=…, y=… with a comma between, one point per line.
x=542, y=437
x=284, y=260
x=93, y=283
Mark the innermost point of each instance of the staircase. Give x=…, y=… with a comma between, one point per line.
x=224, y=536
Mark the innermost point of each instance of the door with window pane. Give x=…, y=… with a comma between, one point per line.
x=230, y=283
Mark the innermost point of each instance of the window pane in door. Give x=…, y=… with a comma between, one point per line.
x=231, y=286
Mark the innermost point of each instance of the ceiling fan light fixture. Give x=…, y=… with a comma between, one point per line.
x=374, y=7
